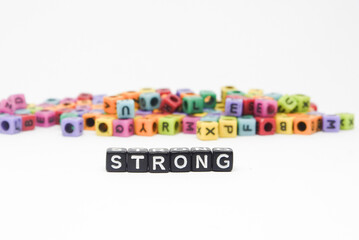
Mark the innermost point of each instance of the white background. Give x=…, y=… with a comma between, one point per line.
x=282, y=187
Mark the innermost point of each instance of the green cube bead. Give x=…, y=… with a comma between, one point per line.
x=235, y=92
x=209, y=99
x=346, y=121
x=192, y=104
x=287, y=104
x=168, y=125
x=67, y=115
x=303, y=102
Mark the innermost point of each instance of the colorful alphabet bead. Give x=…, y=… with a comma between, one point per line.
x=10, y=124
x=72, y=127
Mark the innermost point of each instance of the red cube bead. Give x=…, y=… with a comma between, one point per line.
x=248, y=106
x=265, y=126
x=28, y=122
x=85, y=96
x=163, y=91
x=170, y=103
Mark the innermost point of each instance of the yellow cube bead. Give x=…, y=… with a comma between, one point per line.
x=207, y=130
x=220, y=106
x=284, y=124
x=199, y=114
x=147, y=90
x=227, y=127
x=255, y=92
x=224, y=91
x=103, y=126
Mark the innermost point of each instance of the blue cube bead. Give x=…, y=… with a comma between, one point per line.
x=150, y=101
x=210, y=118
x=126, y=109
x=246, y=126
x=98, y=99
x=53, y=101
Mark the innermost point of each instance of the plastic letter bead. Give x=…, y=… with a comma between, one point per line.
x=209, y=99
x=10, y=124
x=28, y=122
x=137, y=160
x=180, y=118
x=275, y=96
x=224, y=91
x=90, y=120
x=303, y=103
x=180, y=159
x=71, y=114
x=123, y=127
x=192, y=104
x=170, y=103
x=85, y=96
x=110, y=104
x=150, y=101
x=234, y=107
x=103, y=126
x=201, y=159
x=45, y=118
x=159, y=160
x=147, y=90
x=116, y=160
x=190, y=124
x=255, y=92
x=72, y=127
x=17, y=101
x=248, y=106
x=304, y=125
x=265, y=126
x=163, y=91
x=287, y=104
x=227, y=127
x=246, y=126
x=6, y=107
x=207, y=130
x=183, y=90
x=265, y=108
x=168, y=125
x=125, y=109
x=346, y=121
x=98, y=99
x=222, y=159
x=145, y=126
x=284, y=124
x=331, y=123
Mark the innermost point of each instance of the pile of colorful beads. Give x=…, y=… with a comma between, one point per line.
x=148, y=112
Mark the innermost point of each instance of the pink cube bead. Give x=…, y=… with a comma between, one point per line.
x=18, y=101
x=45, y=118
x=68, y=100
x=6, y=107
x=123, y=127
x=265, y=108
x=189, y=124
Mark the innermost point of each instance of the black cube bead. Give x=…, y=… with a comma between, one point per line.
x=137, y=160
x=159, y=160
x=201, y=159
x=180, y=159
x=116, y=159
x=222, y=159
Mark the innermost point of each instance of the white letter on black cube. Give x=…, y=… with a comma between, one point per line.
x=116, y=160
x=159, y=160
x=137, y=160
x=222, y=159
x=201, y=159
x=180, y=159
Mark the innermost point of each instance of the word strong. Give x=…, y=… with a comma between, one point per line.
x=163, y=160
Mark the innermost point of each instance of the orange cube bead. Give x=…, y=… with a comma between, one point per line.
x=90, y=120
x=146, y=126
x=304, y=125
x=110, y=104
x=135, y=96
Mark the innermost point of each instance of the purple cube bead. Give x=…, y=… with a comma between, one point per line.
x=80, y=112
x=234, y=107
x=10, y=124
x=123, y=127
x=18, y=101
x=142, y=113
x=68, y=100
x=98, y=99
x=6, y=107
x=189, y=124
x=72, y=127
x=183, y=90
x=83, y=107
x=265, y=108
x=331, y=123
x=45, y=118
